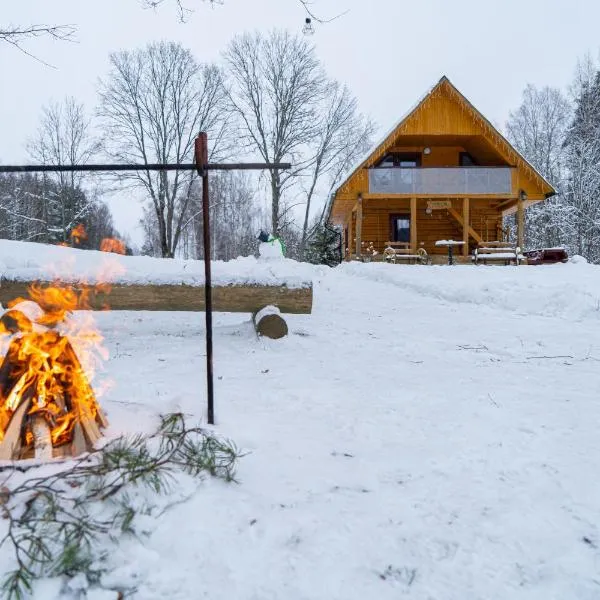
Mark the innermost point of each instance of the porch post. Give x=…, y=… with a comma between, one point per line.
x=359, y=217
x=413, y=225
x=521, y=223
x=465, y=248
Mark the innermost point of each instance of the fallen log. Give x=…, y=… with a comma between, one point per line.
x=268, y=322
x=247, y=298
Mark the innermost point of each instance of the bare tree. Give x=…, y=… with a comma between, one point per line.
x=342, y=136
x=154, y=102
x=235, y=217
x=64, y=136
x=277, y=88
x=538, y=129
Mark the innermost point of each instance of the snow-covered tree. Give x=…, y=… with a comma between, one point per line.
x=582, y=188
x=538, y=130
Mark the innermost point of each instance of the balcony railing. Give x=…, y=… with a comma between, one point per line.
x=440, y=180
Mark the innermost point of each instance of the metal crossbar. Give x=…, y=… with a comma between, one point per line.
x=142, y=167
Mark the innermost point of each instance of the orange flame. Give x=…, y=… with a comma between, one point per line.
x=78, y=234
x=50, y=364
x=112, y=245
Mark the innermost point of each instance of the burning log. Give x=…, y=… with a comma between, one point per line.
x=47, y=405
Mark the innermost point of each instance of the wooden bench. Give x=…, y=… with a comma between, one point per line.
x=396, y=251
x=497, y=252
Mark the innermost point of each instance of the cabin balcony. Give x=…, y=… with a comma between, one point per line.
x=443, y=181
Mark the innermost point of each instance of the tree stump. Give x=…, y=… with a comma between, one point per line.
x=268, y=322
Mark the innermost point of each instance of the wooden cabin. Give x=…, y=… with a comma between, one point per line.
x=444, y=172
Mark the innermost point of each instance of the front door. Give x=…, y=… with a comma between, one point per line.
x=400, y=225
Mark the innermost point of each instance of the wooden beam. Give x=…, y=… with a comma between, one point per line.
x=458, y=218
x=226, y=298
x=347, y=225
x=503, y=205
x=413, y=225
x=359, y=217
x=465, y=248
x=521, y=224
x=442, y=196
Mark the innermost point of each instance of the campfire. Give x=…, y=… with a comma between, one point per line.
x=113, y=245
x=47, y=404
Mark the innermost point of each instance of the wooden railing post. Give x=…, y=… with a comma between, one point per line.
x=465, y=249
x=413, y=225
x=521, y=223
x=359, y=218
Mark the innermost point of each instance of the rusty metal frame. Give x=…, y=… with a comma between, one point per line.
x=202, y=167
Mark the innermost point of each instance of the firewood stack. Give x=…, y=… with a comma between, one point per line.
x=47, y=406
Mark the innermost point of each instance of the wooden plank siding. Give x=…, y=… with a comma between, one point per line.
x=484, y=218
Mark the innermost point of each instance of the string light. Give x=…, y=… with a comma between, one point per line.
x=308, y=28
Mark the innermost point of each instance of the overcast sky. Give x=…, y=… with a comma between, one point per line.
x=388, y=51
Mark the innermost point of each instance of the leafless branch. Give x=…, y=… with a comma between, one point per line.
x=18, y=36
x=307, y=7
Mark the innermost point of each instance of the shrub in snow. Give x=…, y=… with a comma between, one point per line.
x=62, y=524
x=578, y=259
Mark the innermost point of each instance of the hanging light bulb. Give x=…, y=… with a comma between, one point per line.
x=308, y=28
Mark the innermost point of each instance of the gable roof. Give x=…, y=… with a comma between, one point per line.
x=445, y=87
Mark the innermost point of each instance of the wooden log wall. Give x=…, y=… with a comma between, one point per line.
x=484, y=218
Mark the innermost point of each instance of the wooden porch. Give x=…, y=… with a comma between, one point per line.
x=471, y=220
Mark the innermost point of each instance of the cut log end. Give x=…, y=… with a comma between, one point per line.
x=268, y=322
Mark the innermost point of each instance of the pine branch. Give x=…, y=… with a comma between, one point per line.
x=56, y=521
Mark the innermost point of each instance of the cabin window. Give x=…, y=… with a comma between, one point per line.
x=400, y=159
x=466, y=160
x=400, y=228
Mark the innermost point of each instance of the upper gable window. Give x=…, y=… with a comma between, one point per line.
x=400, y=159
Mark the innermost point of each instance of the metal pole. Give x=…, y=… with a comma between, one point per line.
x=201, y=156
x=208, y=300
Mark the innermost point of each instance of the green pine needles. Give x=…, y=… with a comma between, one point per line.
x=57, y=522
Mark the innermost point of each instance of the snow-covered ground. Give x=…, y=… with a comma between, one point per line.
x=428, y=432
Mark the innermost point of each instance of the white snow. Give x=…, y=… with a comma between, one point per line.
x=449, y=243
x=26, y=261
x=429, y=432
x=270, y=250
x=266, y=311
